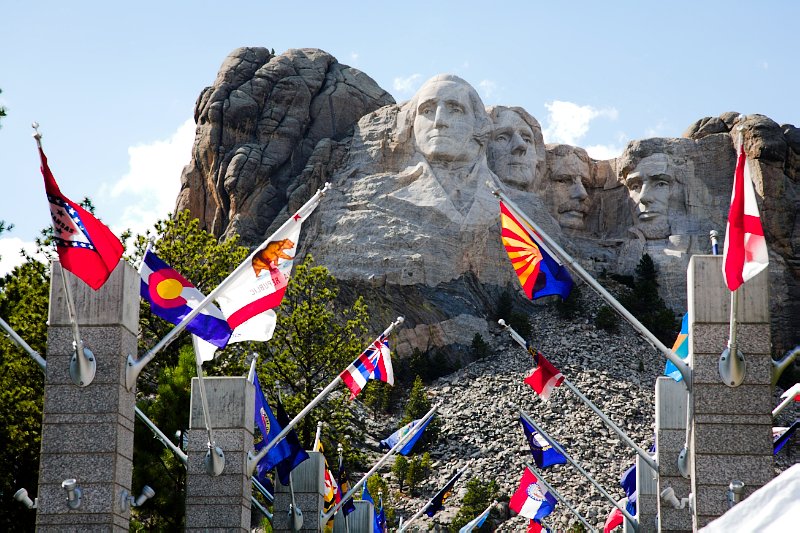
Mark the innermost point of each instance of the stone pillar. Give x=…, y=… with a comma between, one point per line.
x=732, y=430
x=360, y=520
x=220, y=503
x=646, y=497
x=670, y=438
x=87, y=432
x=308, y=480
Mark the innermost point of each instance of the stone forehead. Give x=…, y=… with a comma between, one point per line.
x=509, y=117
x=570, y=162
x=656, y=164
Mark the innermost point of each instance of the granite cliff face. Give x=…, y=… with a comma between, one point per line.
x=411, y=223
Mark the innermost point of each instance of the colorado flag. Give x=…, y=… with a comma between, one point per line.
x=172, y=297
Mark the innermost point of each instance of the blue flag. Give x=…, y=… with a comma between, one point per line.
x=285, y=455
x=298, y=454
x=681, y=349
x=437, y=502
x=544, y=454
x=366, y=496
x=344, y=487
x=782, y=438
x=628, y=481
x=395, y=437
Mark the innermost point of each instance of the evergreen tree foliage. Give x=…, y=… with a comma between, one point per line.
x=312, y=344
x=24, y=297
x=379, y=488
x=419, y=467
x=399, y=470
x=478, y=497
x=647, y=306
x=504, y=306
x=606, y=318
x=569, y=308
x=479, y=347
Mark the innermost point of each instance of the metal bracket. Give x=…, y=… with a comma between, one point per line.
x=295, y=517
x=82, y=368
x=214, y=461
x=732, y=370
x=683, y=462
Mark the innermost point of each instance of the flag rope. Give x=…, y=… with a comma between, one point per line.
x=610, y=423
x=679, y=363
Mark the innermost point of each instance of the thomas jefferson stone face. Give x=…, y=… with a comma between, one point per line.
x=512, y=151
x=649, y=186
x=565, y=193
x=444, y=125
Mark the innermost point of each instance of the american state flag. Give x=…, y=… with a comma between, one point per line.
x=374, y=363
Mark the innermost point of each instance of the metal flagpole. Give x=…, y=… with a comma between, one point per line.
x=425, y=507
x=580, y=469
x=215, y=457
x=253, y=459
x=646, y=457
x=679, y=363
x=400, y=443
x=135, y=366
x=560, y=498
x=790, y=395
x=24, y=345
x=318, y=436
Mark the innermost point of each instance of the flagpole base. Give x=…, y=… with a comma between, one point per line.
x=132, y=370
x=295, y=517
x=214, y=461
x=732, y=369
x=82, y=368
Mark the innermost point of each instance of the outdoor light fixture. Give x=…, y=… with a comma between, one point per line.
x=668, y=496
x=735, y=492
x=22, y=497
x=125, y=499
x=73, y=492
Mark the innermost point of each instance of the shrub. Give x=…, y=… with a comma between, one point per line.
x=606, y=318
x=479, y=347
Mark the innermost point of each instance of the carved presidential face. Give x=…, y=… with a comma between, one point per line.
x=649, y=186
x=512, y=152
x=444, y=125
x=565, y=192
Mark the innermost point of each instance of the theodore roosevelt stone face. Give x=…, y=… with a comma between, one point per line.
x=563, y=188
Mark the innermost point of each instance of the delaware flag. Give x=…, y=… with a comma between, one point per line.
x=85, y=246
x=477, y=521
x=395, y=437
x=531, y=500
x=537, y=269
x=680, y=348
x=253, y=291
x=374, y=363
x=543, y=452
x=437, y=502
x=172, y=297
x=745, y=252
x=544, y=378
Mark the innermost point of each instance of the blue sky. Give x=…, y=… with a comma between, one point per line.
x=113, y=85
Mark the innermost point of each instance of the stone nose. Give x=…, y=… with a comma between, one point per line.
x=440, y=118
x=518, y=145
x=578, y=191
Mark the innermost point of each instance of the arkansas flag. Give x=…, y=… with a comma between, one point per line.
x=544, y=378
x=85, y=246
x=531, y=500
x=745, y=252
x=250, y=294
x=374, y=363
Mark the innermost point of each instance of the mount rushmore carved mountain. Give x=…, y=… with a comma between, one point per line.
x=410, y=222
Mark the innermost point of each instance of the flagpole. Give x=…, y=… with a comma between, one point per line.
x=610, y=423
x=791, y=393
x=135, y=366
x=318, y=436
x=324, y=517
x=580, y=469
x=555, y=493
x=679, y=363
x=425, y=507
x=24, y=345
x=215, y=458
x=253, y=459
x=485, y=511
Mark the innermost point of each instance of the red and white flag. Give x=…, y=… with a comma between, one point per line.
x=745, y=252
x=545, y=377
x=249, y=295
x=86, y=247
x=374, y=363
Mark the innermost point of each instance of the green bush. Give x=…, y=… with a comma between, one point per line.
x=606, y=318
x=400, y=470
x=521, y=324
x=504, y=306
x=479, y=347
x=569, y=308
x=478, y=497
x=647, y=306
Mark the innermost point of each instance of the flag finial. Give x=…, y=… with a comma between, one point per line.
x=37, y=135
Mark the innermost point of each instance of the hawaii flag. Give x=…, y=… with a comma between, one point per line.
x=531, y=500
x=172, y=297
x=544, y=378
x=256, y=287
x=745, y=252
x=85, y=246
x=537, y=268
x=374, y=363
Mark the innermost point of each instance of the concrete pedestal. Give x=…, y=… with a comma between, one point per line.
x=732, y=432
x=670, y=438
x=220, y=503
x=309, y=488
x=87, y=432
x=647, y=497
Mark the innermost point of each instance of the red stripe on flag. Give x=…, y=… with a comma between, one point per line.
x=270, y=301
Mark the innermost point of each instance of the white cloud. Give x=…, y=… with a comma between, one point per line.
x=407, y=85
x=656, y=131
x=153, y=180
x=568, y=122
x=354, y=58
x=488, y=89
x=604, y=151
x=10, y=256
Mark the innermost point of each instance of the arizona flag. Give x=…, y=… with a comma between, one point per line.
x=374, y=363
x=172, y=297
x=253, y=291
x=537, y=269
x=745, y=253
x=531, y=500
x=85, y=246
x=544, y=378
